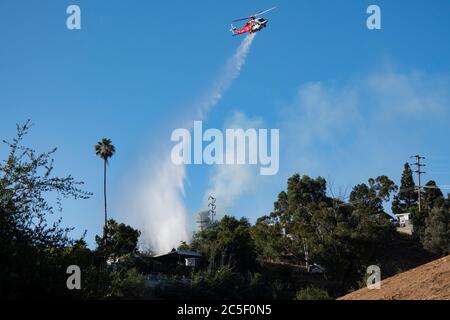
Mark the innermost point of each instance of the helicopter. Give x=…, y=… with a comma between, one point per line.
x=253, y=24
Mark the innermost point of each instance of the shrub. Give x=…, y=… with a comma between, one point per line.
x=312, y=293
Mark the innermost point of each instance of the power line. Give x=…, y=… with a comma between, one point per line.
x=443, y=158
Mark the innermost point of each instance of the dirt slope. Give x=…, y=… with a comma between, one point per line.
x=428, y=282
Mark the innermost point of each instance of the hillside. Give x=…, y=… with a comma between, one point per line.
x=428, y=282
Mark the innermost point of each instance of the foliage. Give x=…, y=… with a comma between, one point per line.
x=264, y=261
x=128, y=285
x=105, y=149
x=184, y=246
x=227, y=242
x=120, y=240
x=312, y=293
x=270, y=242
x=30, y=246
x=431, y=197
x=222, y=284
x=369, y=198
x=96, y=283
x=407, y=195
x=342, y=237
x=437, y=232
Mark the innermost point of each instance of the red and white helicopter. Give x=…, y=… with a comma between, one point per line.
x=253, y=24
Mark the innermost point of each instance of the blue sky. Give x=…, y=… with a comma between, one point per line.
x=350, y=103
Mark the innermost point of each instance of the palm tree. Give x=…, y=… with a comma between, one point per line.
x=105, y=150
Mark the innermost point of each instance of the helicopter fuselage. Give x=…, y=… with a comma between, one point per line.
x=258, y=25
x=254, y=24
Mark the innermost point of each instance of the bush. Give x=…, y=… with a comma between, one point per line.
x=437, y=232
x=128, y=285
x=312, y=293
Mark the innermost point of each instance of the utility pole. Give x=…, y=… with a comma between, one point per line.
x=419, y=172
x=305, y=250
x=212, y=207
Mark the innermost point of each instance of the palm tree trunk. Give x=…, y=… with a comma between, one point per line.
x=104, y=193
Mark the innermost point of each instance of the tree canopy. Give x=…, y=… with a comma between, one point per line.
x=29, y=243
x=227, y=243
x=407, y=195
x=121, y=240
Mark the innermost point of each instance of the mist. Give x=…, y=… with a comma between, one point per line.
x=230, y=73
x=228, y=182
x=156, y=204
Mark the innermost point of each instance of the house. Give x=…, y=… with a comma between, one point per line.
x=404, y=223
x=175, y=261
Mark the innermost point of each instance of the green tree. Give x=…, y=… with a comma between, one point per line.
x=305, y=190
x=127, y=285
x=371, y=197
x=432, y=196
x=363, y=197
x=383, y=187
x=348, y=240
x=407, y=195
x=305, y=196
x=342, y=237
x=30, y=246
x=270, y=241
x=437, y=231
x=120, y=240
x=184, y=246
x=270, y=232
x=227, y=243
x=281, y=212
x=105, y=150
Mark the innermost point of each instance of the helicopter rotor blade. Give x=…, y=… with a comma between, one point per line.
x=263, y=12
x=242, y=19
x=255, y=15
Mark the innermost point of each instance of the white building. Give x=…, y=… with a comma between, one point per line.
x=404, y=223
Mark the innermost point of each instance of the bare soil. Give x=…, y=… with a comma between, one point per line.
x=428, y=282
